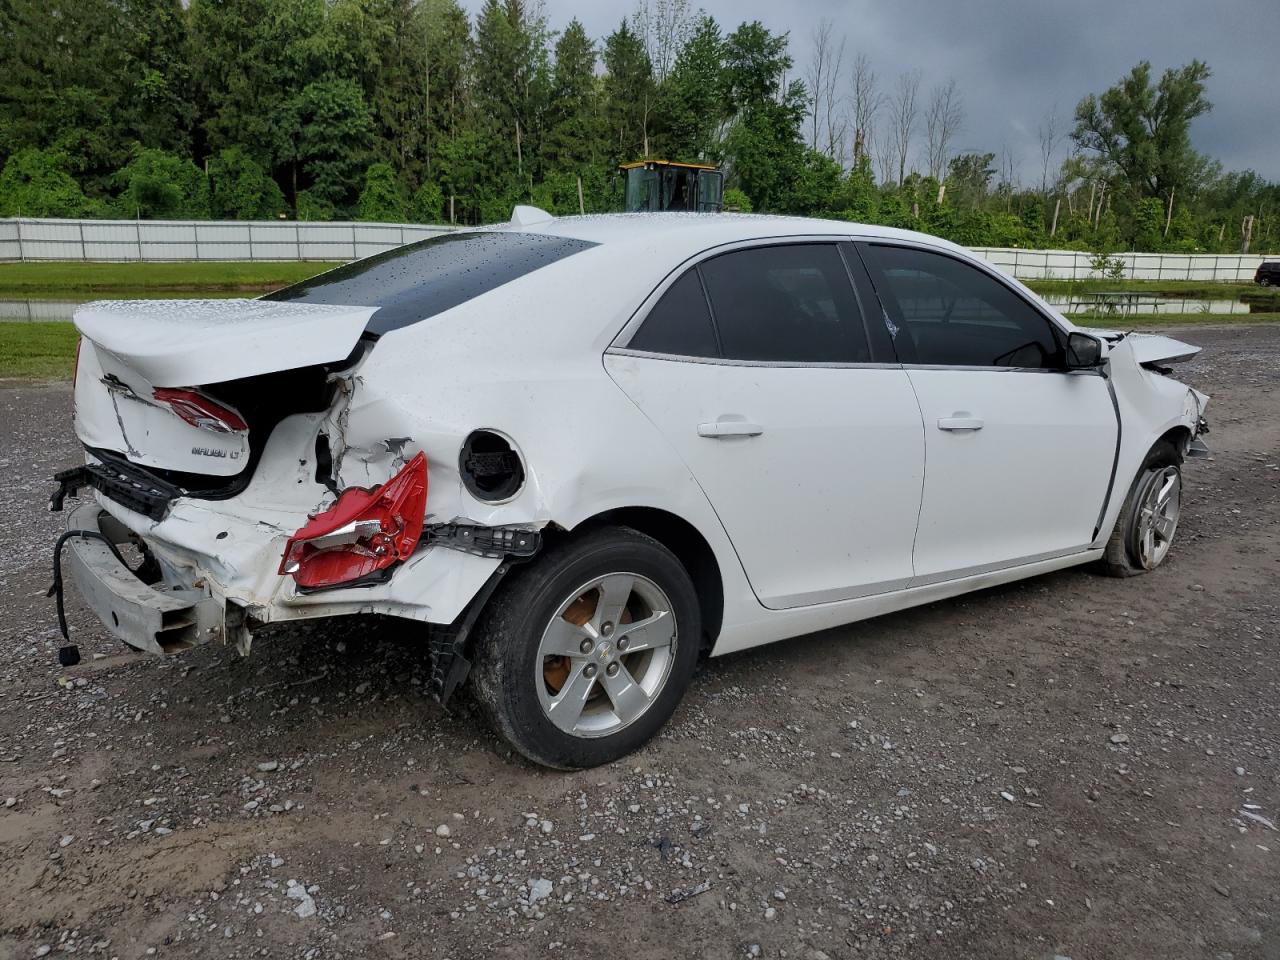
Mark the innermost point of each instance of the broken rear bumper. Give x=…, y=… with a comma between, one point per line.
x=156, y=618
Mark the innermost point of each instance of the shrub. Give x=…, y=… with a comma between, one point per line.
x=427, y=205
x=383, y=197
x=159, y=185
x=735, y=199
x=1107, y=266
x=312, y=207
x=35, y=183
x=239, y=189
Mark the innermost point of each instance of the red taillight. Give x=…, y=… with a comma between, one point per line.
x=363, y=532
x=201, y=411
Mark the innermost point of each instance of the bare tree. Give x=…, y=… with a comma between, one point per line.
x=942, y=120
x=664, y=26
x=867, y=101
x=902, y=119
x=828, y=122
x=1051, y=135
x=882, y=144
x=1008, y=175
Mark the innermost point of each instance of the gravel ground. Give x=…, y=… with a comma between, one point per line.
x=1070, y=766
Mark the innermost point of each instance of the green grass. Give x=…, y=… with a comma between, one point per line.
x=37, y=351
x=1159, y=288
x=55, y=280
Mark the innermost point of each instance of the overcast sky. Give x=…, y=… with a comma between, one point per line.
x=1014, y=59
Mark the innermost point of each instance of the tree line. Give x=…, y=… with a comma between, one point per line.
x=410, y=110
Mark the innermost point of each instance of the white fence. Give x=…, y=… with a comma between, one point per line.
x=29, y=239
x=1077, y=265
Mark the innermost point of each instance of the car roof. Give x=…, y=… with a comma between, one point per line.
x=705, y=230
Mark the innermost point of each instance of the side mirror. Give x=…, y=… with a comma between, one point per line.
x=1084, y=351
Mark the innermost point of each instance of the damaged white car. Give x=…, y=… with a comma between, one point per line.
x=576, y=454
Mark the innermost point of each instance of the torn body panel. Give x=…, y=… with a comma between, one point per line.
x=1150, y=405
x=232, y=548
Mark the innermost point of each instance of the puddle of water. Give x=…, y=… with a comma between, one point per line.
x=51, y=310
x=1132, y=304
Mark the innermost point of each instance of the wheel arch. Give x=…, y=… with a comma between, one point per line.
x=688, y=544
x=1178, y=436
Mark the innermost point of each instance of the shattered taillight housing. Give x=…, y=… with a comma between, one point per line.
x=201, y=411
x=365, y=531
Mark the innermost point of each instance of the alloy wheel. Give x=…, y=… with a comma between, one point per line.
x=605, y=655
x=1156, y=519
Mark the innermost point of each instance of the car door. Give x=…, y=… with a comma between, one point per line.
x=1019, y=451
x=758, y=368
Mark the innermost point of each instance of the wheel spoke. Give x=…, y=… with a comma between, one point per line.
x=566, y=707
x=628, y=697
x=613, y=594
x=1162, y=498
x=1165, y=526
x=1149, y=543
x=657, y=630
x=563, y=639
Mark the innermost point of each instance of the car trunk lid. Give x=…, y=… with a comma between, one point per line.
x=192, y=388
x=178, y=343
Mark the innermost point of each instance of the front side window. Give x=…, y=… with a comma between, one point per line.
x=953, y=314
x=792, y=303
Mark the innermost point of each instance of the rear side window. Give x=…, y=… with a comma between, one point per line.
x=791, y=303
x=419, y=280
x=680, y=323
x=956, y=315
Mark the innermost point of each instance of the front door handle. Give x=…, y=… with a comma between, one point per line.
x=959, y=423
x=729, y=428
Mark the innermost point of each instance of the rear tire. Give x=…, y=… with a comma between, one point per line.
x=1145, y=529
x=582, y=656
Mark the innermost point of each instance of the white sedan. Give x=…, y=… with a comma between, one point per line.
x=573, y=455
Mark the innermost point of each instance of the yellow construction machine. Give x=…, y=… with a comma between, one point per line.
x=657, y=185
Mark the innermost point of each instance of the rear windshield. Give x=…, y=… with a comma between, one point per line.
x=419, y=280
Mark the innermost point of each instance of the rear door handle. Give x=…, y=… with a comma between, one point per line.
x=959, y=423
x=718, y=429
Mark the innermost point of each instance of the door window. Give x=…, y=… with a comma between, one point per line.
x=680, y=323
x=953, y=314
x=792, y=303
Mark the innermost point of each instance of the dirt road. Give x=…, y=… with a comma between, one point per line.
x=1071, y=766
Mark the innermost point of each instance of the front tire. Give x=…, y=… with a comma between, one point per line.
x=582, y=656
x=1144, y=531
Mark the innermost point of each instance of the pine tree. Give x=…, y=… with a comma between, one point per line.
x=628, y=94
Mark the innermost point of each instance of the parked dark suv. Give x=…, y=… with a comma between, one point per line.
x=1268, y=273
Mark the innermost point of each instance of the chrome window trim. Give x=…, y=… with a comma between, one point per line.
x=724, y=362
x=1089, y=372
x=621, y=341
x=833, y=365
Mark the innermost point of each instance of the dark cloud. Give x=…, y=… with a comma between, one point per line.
x=1015, y=59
